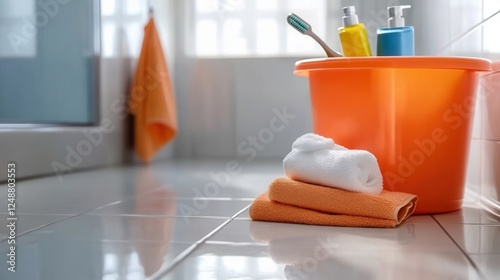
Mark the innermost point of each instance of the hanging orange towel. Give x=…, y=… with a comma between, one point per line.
x=296, y=202
x=152, y=101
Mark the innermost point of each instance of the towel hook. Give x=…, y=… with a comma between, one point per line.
x=150, y=8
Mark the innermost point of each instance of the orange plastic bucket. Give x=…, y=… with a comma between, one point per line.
x=413, y=113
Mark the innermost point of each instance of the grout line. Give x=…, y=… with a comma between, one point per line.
x=62, y=220
x=40, y=214
x=237, y=244
x=157, y=216
x=70, y=216
x=241, y=211
x=469, y=31
x=460, y=248
x=185, y=253
x=40, y=227
x=194, y=198
x=215, y=198
x=162, y=272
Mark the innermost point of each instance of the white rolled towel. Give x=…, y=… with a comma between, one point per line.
x=318, y=160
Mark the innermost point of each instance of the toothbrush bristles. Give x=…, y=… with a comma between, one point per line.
x=298, y=23
x=305, y=28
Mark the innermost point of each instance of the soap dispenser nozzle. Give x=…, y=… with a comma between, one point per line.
x=396, y=18
x=350, y=17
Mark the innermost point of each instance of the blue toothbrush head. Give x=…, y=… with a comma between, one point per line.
x=298, y=23
x=305, y=29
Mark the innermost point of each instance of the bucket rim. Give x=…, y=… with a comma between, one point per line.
x=303, y=67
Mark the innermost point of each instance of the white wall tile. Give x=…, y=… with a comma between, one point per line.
x=491, y=107
x=473, y=181
x=491, y=170
x=477, y=124
x=262, y=87
x=208, y=108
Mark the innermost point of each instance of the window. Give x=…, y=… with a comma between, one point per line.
x=122, y=26
x=253, y=28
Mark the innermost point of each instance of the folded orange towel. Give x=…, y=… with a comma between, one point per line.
x=296, y=202
x=152, y=100
x=387, y=205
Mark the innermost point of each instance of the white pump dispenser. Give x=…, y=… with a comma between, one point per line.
x=353, y=34
x=350, y=17
x=397, y=39
x=396, y=18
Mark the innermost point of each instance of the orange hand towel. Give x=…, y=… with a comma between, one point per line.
x=387, y=205
x=296, y=202
x=152, y=100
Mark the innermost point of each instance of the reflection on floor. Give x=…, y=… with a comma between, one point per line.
x=189, y=220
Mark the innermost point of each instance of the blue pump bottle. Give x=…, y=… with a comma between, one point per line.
x=397, y=39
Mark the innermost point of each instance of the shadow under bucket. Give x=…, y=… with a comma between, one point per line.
x=413, y=113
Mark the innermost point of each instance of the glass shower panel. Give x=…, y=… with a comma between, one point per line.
x=48, y=62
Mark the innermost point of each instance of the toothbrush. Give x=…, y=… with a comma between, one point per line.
x=305, y=28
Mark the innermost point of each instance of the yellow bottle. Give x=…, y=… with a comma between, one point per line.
x=353, y=35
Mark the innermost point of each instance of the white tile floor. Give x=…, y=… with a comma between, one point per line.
x=172, y=221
